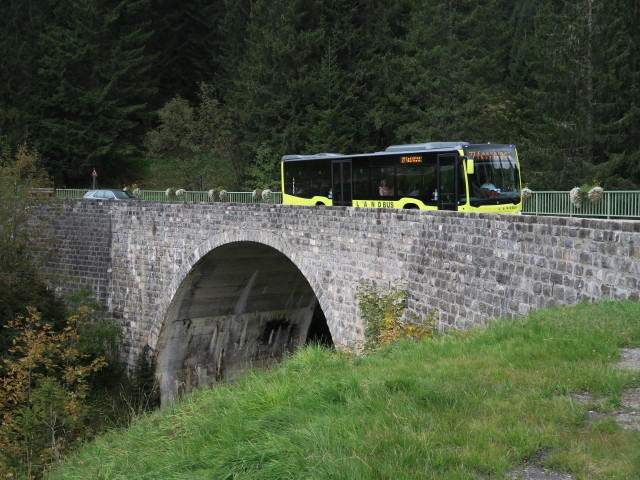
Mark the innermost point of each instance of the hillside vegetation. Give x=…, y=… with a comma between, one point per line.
x=463, y=406
x=201, y=94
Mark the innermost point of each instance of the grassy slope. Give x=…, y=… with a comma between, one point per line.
x=471, y=405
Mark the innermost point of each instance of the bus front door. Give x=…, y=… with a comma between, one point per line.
x=447, y=184
x=341, y=183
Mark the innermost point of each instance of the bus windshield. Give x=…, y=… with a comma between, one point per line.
x=495, y=178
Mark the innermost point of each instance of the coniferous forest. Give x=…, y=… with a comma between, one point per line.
x=206, y=93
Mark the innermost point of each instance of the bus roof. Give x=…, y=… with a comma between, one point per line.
x=413, y=147
x=416, y=147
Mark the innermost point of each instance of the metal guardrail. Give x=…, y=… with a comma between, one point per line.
x=189, y=196
x=614, y=204
x=70, y=192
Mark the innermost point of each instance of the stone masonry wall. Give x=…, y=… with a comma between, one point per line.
x=77, y=236
x=469, y=267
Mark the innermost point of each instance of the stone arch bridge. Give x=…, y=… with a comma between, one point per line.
x=207, y=290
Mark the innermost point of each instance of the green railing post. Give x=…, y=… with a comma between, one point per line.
x=614, y=204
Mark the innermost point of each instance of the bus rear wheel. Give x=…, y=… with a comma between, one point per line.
x=410, y=206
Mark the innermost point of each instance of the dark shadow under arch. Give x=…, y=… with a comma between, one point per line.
x=242, y=305
x=318, y=331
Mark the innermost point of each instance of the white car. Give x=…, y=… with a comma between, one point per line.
x=109, y=194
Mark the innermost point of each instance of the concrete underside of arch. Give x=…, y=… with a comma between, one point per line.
x=243, y=305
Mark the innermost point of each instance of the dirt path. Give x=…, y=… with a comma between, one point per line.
x=628, y=417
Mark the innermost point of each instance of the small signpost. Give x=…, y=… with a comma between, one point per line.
x=94, y=174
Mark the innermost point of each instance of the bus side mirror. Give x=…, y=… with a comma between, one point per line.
x=470, y=166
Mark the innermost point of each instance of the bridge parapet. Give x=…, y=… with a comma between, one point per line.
x=149, y=262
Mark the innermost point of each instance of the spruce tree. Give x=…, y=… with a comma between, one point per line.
x=93, y=89
x=617, y=95
x=289, y=85
x=381, y=66
x=575, y=89
x=21, y=22
x=186, y=44
x=458, y=56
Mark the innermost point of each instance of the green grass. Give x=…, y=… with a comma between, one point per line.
x=466, y=406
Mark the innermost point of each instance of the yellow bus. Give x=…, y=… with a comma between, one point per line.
x=428, y=176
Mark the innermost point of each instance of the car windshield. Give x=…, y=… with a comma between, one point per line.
x=121, y=194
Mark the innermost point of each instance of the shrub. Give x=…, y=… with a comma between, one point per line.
x=386, y=319
x=43, y=393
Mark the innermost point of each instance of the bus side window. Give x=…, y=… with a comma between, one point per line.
x=288, y=181
x=430, y=183
x=307, y=183
x=361, y=186
x=382, y=182
x=409, y=181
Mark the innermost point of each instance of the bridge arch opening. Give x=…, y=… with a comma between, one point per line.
x=243, y=305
